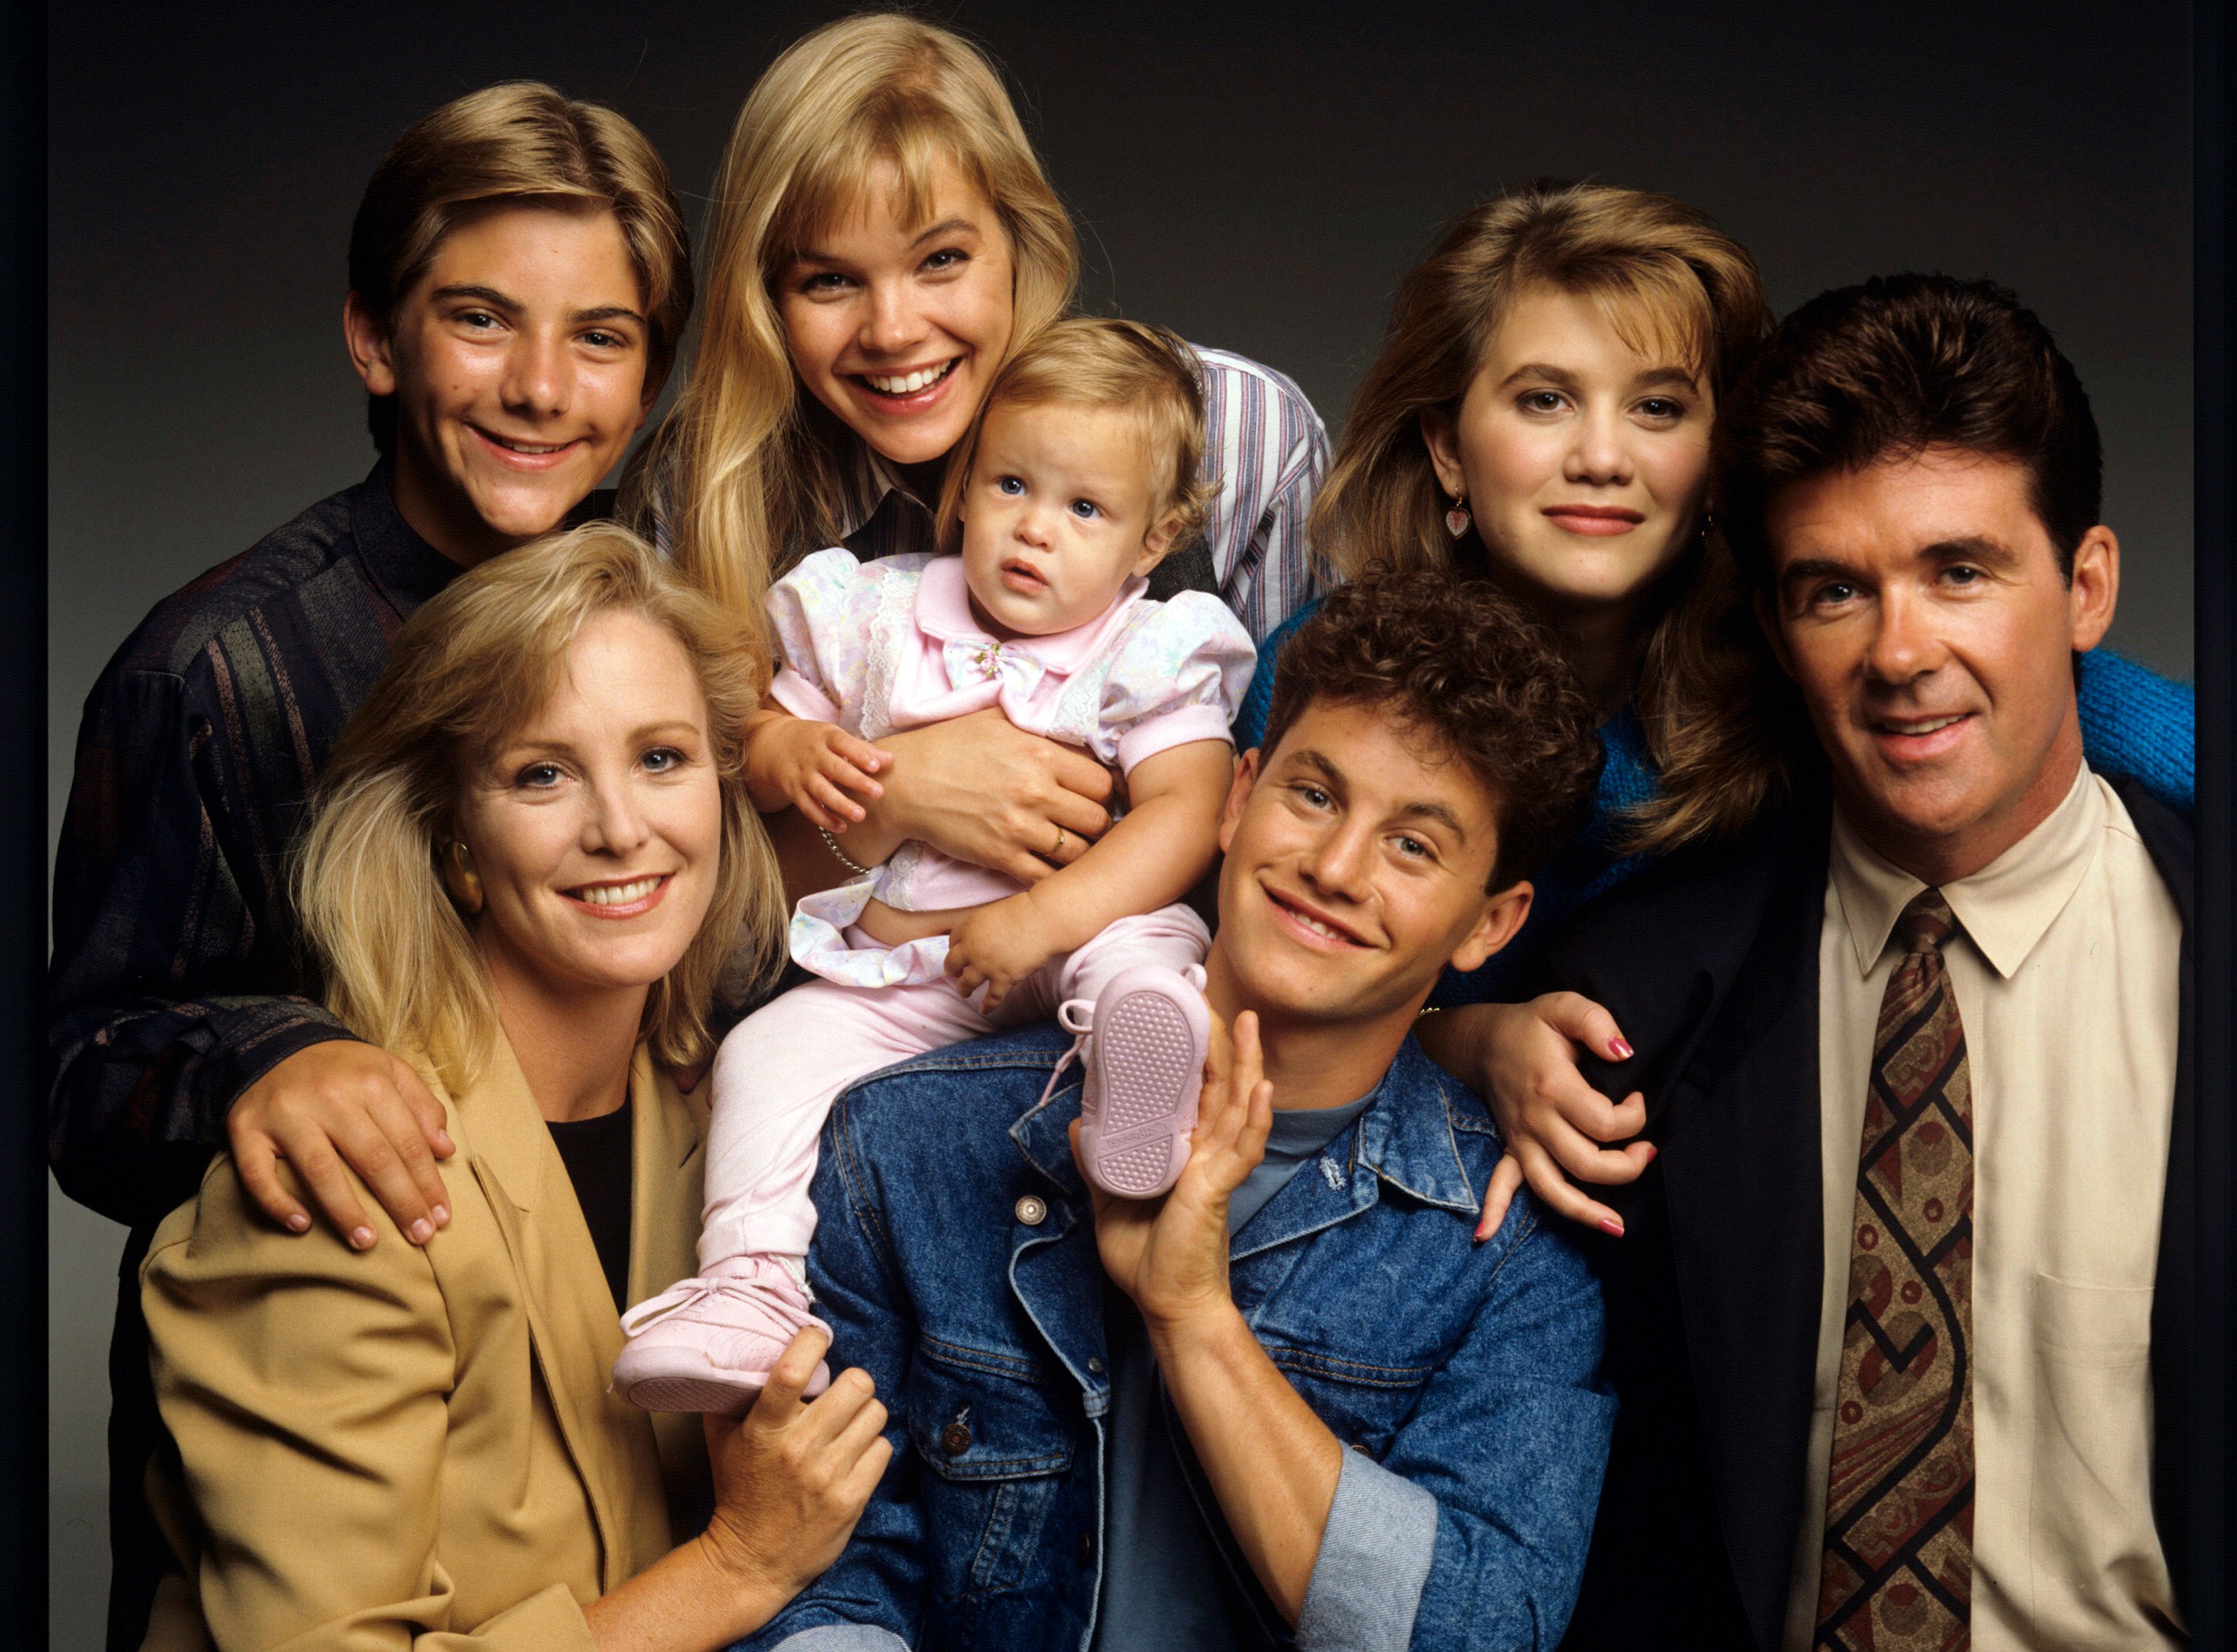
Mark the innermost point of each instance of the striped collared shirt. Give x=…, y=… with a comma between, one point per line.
x=1265, y=447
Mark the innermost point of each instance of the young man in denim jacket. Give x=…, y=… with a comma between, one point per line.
x=1292, y=1399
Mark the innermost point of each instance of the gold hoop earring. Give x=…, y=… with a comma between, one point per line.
x=1456, y=519
x=460, y=878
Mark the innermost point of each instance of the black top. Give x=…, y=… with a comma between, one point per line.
x=597, y=1154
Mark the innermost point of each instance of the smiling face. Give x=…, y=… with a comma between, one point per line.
x=1583, y=460
x=1919, y=606
x=1355, y=862
x=596, y=829
x=898, y=328
x=517, y=362
x=1058, y=515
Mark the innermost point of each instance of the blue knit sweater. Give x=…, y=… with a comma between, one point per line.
x=2134, y=721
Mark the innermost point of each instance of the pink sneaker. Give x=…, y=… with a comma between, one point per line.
x=1145, y=1060
x=707, y=1344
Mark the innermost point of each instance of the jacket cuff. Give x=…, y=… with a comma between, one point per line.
x=1374, y=1561
x=843, y=1637
x=259, y=1041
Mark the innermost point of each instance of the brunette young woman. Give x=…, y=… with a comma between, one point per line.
x=882, y=239
x=1539, y=417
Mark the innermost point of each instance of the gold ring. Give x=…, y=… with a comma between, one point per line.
x=1059, y=850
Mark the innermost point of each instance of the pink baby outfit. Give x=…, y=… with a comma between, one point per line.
x=891, y=645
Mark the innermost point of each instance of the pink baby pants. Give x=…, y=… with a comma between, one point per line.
x=778, y=1072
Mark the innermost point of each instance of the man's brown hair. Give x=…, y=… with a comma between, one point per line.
x=1459, y=666
x=1890, y=368
x=519, y=143
x=1877, y=372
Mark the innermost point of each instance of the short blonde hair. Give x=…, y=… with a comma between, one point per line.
x=520, y=144
x=1664, y=275
x=744, y=474
x=1145, y=371
x=469, y=669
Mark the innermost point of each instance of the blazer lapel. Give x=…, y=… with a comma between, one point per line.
x=573, y=1328
x=667, y=1191
x=1741, y=1164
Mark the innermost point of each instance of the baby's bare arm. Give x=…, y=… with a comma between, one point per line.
x=1151, y=857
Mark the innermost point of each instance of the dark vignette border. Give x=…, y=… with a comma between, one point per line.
x=23, y=849
x=2212, y=1462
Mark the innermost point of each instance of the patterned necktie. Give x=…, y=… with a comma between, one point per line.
x=1899, y=1502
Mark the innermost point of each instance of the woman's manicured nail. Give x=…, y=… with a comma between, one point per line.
x=1652, y=1150
x=362, y=1237
x=1620, y=1050
x=1610, y=1226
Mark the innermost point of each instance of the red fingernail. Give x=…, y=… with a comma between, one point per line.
x=1610, y=1226
x=1623, y=1050
x=1651, y=1150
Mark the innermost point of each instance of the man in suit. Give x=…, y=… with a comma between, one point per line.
x=1900, y=1316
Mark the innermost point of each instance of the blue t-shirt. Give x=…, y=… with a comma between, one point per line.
x=1164, y=1584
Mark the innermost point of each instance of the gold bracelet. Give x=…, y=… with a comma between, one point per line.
x=842, y=855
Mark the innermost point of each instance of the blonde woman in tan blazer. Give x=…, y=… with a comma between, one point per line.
x=527, y=865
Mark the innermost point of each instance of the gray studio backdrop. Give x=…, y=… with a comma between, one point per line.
x=1254, y=177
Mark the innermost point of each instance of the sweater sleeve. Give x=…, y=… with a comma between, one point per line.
x=166, y=995
x=2136, y=723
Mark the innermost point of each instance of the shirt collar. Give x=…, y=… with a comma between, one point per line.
x=943, y=610
x=406, y=569
x=867, y=479
x=2004, y=907
x=1406, y=1137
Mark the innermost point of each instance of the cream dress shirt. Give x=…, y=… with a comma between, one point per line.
x=2066, y=979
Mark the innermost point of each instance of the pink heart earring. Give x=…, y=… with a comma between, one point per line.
x=1456, y=519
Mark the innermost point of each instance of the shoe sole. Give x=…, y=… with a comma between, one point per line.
x=1150, y=1053
x=665, y=1379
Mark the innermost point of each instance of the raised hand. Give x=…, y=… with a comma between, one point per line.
x=1170, y=1254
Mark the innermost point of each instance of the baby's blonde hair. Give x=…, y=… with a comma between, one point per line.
x=1083, y=362
x=470, y=669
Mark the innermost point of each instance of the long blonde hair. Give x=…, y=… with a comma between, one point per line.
x=739, y=473
x=1665, y=276
x=397, y=956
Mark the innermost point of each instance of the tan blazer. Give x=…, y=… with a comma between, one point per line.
x=414, y=1446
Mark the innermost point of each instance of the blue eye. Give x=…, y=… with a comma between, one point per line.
x=1086, y=510
x=661, y=759
x=539, y=775
x=1008, y=486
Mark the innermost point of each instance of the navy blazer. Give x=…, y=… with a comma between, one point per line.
x=1710, y=965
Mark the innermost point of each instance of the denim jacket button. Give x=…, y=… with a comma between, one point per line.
x=1095, y=1365
x=955, y=1439
x=1087, y=1546
x=1032, y=1211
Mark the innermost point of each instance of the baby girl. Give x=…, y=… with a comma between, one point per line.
x=1079, y=477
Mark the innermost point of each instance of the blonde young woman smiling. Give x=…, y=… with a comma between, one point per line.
x=1541, y=417
x=882, y=240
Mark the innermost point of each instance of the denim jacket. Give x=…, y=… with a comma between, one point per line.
x=955, y=1259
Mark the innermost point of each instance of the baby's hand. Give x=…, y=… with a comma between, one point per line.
x=810, y=766
x=998, y=945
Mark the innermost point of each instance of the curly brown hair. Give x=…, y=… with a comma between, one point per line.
x=1461, y=663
